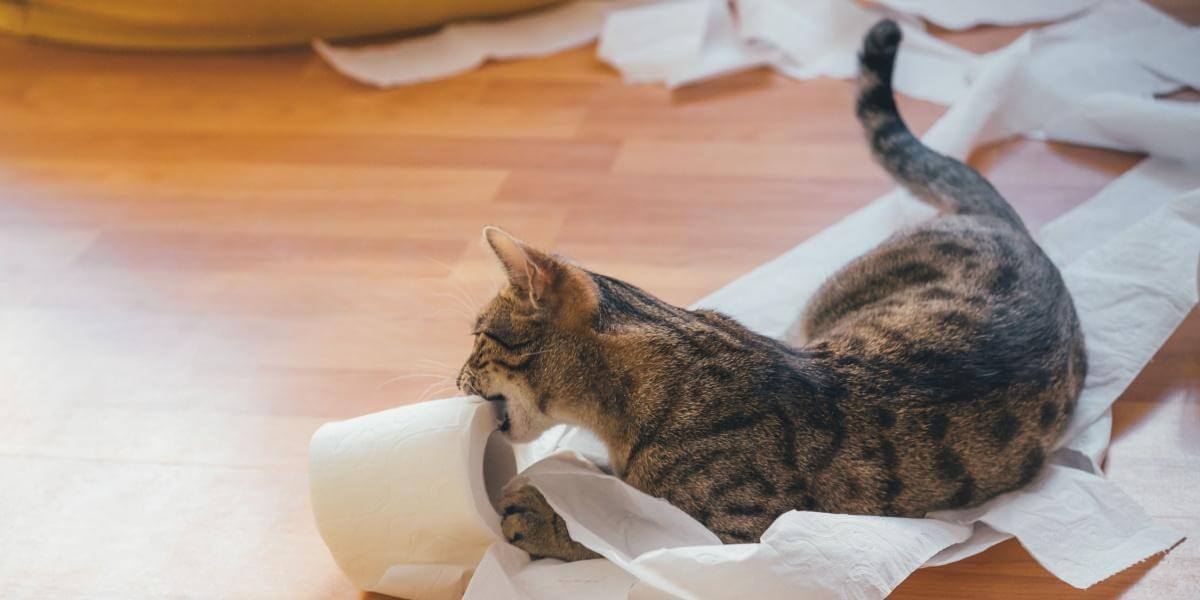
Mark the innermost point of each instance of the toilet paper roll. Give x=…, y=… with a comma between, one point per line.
x=405, y=498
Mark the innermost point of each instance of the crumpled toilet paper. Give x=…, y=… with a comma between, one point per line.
x=460, y=47
x=1174, y=57
x=821, y=38
x=1125, y=45
x=1085, y=81
x=677, y=43
x=1129, y=256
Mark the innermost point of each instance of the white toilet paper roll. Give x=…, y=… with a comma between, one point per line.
x=405, y=498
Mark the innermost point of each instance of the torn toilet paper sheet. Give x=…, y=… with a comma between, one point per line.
x=1121, y=24
x=821, y=38
x=1174, y=57
x=460, y=47
x=677, y=43
x=1078, y=82
x=1154, y=182
x=1083, y=83
x=1143, y=279
x=1130, y=123
x=1105, y=531
x=506, y=573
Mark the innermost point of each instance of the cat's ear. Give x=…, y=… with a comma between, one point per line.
x=529, y=269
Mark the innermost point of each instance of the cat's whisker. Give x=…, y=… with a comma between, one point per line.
x=433, y=390
x=475, y=303
x=454, y=310
x=457, y=298
x=449, y=269
x=427, y=389
x=388, y=382
x=437, y=363
x=463, y=297
x=471, y=301
x=463, y=303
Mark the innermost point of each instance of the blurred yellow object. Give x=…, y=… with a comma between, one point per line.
x=227, y=24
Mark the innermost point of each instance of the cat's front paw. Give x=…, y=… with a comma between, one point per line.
x=530, y=524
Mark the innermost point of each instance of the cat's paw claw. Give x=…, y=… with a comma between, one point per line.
x=530, y=524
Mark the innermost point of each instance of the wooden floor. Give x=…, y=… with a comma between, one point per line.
x=204, y=258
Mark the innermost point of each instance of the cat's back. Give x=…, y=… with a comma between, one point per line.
x=962, y=358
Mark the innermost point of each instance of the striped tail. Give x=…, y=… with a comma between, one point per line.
x=946, y=183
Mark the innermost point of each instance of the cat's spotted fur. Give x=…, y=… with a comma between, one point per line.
x=940, y=367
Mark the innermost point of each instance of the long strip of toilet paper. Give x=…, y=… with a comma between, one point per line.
x=1129, y=255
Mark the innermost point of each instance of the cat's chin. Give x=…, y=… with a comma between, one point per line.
x=520, y=430
x=521, y=434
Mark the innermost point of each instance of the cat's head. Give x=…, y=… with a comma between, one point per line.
x=534, y=341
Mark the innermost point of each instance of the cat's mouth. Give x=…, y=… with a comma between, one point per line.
x=502, y=411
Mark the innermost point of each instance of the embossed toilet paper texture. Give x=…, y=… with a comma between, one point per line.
x=1118, y=259
x=399, y=496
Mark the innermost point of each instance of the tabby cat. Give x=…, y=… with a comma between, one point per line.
x=939, y=370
